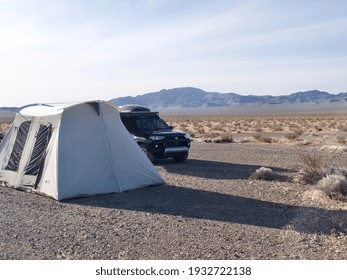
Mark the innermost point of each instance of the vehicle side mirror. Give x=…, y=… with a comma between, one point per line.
x=171, y=127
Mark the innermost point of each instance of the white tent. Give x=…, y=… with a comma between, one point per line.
x=70, y=150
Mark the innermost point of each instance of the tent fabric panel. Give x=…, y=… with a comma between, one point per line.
x=134, y=169
x=42, y=110
x=8, y=177
x=49, y=181
x=84, y=167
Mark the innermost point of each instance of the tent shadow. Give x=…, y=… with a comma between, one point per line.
x=219, y=170
x=200, y=204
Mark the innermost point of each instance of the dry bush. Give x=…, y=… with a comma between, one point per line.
x=312, y=164
x=341, y=139
x=192, y=133
x=212, y=134
x=257, y=137
x=262, y=139
x=201, y=130
x=292, y=125
x=315, y=164
x=335, y=186
x=263, y=173
x=277, y=127
x=225, y=138
x=216, y=137
x=335, y=171
x=294, y=135
x=183, y=125
x=208, y=124
x=218, y=127
x=343, y=128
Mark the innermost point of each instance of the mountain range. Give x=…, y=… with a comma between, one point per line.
x=195, y=98
x=189, y=97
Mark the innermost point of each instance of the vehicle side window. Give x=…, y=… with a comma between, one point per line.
x=145, y=124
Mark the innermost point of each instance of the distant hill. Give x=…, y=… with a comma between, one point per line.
x=8, y=109
x=7, y=114
x=195, y=98
x=189, y=97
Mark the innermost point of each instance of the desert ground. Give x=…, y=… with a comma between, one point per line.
x=253, y=187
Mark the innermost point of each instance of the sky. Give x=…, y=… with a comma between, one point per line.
x=79, y=50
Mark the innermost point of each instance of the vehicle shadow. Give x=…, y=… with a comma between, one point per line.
x=200, y=204
x=219, y=170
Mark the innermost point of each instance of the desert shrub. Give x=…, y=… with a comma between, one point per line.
x=312, y=163
x=294, y=135
x=227, y=138
x=263, y=173
x=341, y=139
x=218, y=127
x=183, y=126
x=191, y=133
x=208, y=124
x=332, y=170
x=343, y=128
x=335, y=186
x=257, y=136
x=278, y=127
x=262, y=139
x=211, y=134
x=315, y=164
x=201, y=130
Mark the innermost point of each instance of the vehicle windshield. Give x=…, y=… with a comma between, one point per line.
x=151, y=124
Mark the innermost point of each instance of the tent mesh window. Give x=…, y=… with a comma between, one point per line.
x=18, y=146
x=37, y=157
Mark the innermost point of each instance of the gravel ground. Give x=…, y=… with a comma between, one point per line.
x=209, y=209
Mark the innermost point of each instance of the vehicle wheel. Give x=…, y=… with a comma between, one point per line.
x=147, y=152
x=181, y=157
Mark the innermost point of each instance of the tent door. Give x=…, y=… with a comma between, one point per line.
x=34, y=167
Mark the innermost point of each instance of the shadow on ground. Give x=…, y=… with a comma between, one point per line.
x=219, y=170
x=199, y=204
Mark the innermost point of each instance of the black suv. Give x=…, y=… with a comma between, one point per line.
x=156, y=138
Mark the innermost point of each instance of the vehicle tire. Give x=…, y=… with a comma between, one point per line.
x=147, y=152
x=181, y=157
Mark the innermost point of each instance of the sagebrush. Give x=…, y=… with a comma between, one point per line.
x=335, y=186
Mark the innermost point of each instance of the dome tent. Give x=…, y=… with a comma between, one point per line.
x=70, y=150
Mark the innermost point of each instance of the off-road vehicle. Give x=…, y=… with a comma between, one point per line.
x=156, y=138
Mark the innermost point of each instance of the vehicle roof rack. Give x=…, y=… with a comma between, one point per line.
x=138, y=113
x=133, y=108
